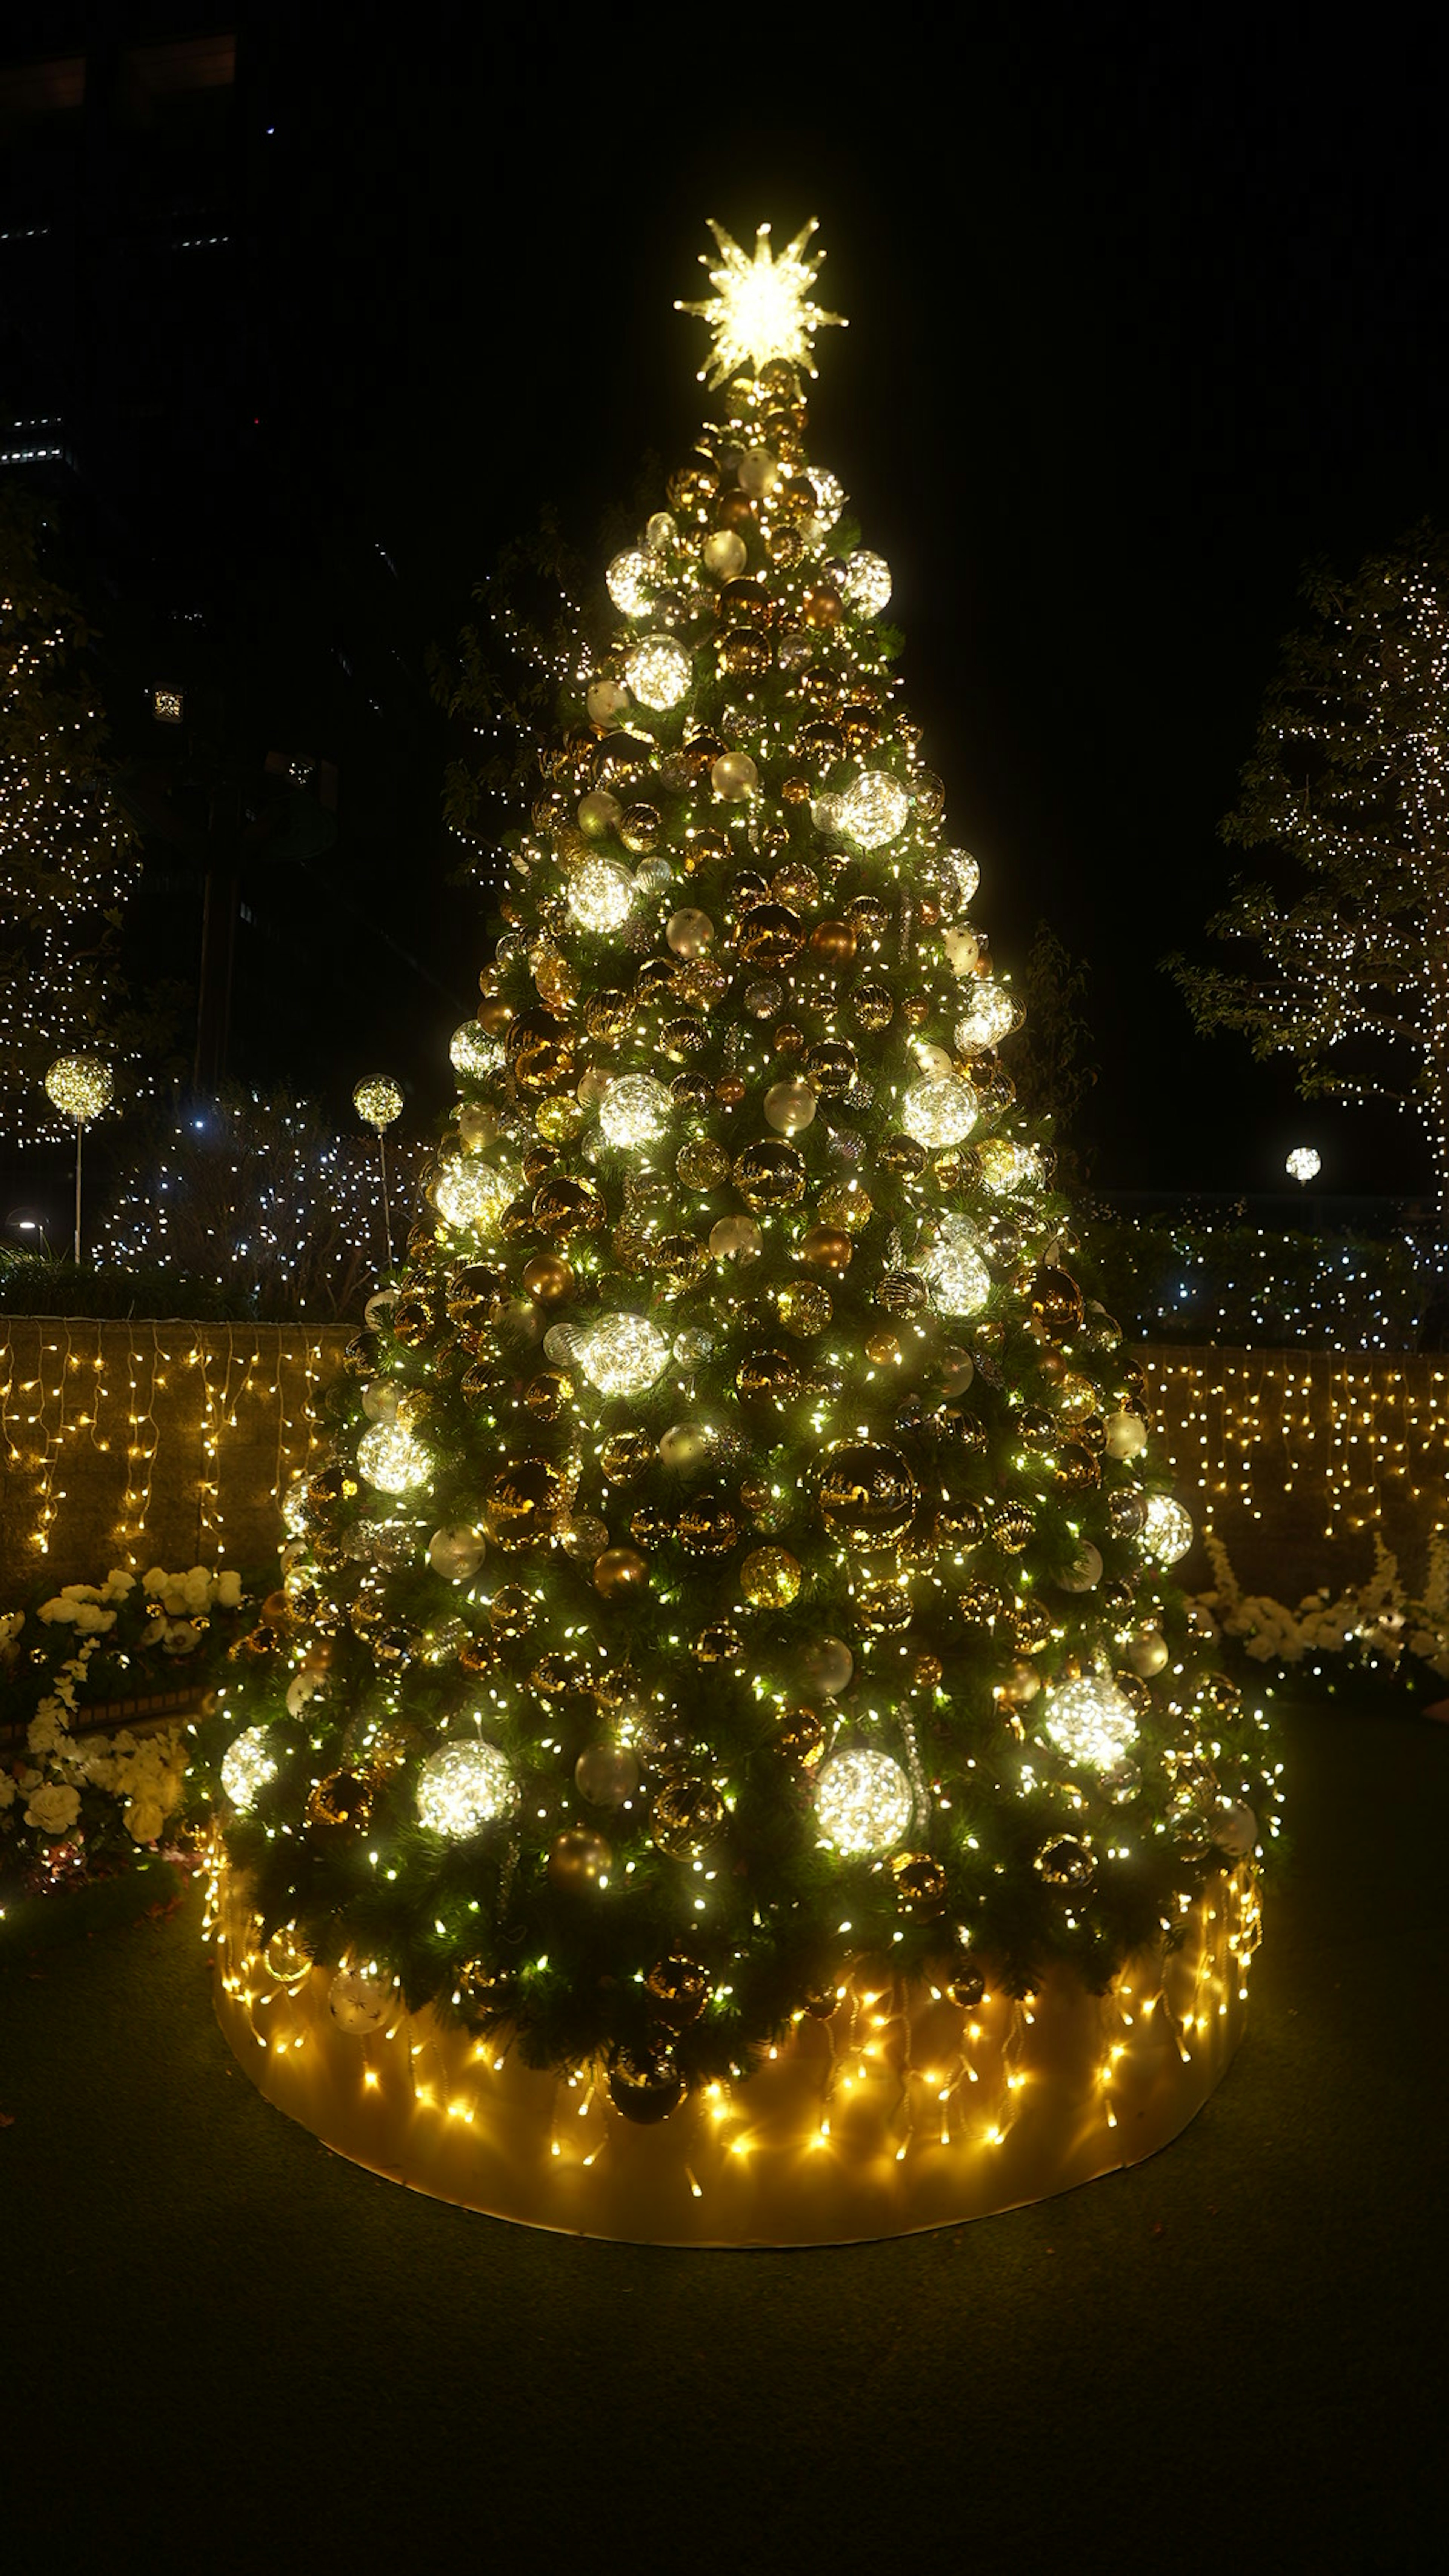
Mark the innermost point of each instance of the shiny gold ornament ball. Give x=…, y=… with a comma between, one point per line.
x=706, y=1526
x=926, y=1672
x=625, y=1455
x=620, y=1572
x=833, y=942
x=795, y=791
x=702, y=1164
x=644, y=2085
x=548, y=1279
x=342, y=1802
x=873, y=1006
x=578, y=1859
x=920, y=1882
x=729, y=1090
x=548, y=1394
x=821, y=608
x=678, y=1988
x=883, y=1348
x=826, y=1247
x=902, y=1292
x=687, y=1819
x=796, y=883
x=867, y=1494
x=770, y=1174
x=770, y=934
x=845, y=1203
x=1056, y=1302
x=477, y=1655
x=512, y=1611
x=522, y=1504
x=804, y=1308
x=770, y=1578
x=883, y=1608
x=801, y=1738
x=718, y=1644
x=563, y=1207
x=650, y=1527
x=1012, y=1528
x=902, y=1157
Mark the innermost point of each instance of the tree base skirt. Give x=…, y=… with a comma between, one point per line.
x=900, y=2113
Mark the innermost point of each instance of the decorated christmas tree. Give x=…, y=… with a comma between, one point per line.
x=733, y=1599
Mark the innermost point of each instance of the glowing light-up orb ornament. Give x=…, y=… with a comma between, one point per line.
x=294, y=1507
x=960, y=866
x=953, y=1269
x=1167, y=1531
x=939, y=1113
x=1235, y=1829
x=863, y=1802
x=249, y=1762
x=1091, y=1721
x=634, y=1110
x=463, y=1787
x=990, y=1015
x=873, y=811
x=360, y=2001
x=601, y=894
x=80, y=1086
x=378, y=1100
x=474, y=1195
x=761, y=308
x=622, y=1354
x=1007, y=1167
x=630, y=580
x=392, y=1459
x=867, y=583
x=1304, y=1163
x=658, y=671
x=471, y=1050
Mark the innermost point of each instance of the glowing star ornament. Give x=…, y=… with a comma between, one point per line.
x=247, y=1765
x=473, y=1196
x=635, y=1110
x=390, y=1458
x=863, y=1802
x=1090, y=1720
x=622, y=1354
x=463, y=1787
x=1167, y=1531
x=1305, y=1163
x=762, y=308
x=658, y=671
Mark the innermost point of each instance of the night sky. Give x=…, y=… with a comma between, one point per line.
x=1143, y=316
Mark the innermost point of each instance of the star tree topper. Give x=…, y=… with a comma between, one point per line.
x=762, y=308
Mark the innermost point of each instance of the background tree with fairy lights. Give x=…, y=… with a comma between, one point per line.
x=66, y=855
x=1348, y=790
x=734, y=1552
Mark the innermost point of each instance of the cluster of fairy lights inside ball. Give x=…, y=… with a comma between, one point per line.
x=591, y=1167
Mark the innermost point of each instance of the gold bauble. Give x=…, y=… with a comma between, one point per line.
x=640, y=829
x=560, y=1118
x=540, y=1051
x=618, y=1572
x=1012, y=1528
x=512, y=1611
x=1075, y=1468
x=702, y=1164
x=1056, y=1302
x=578, y=1859
x=870, y=916
x=517, y=1219
x=742, y=654
x=608, y=1015
x=678, y=1263
x=706, y=1526
x=650, y=1526
x=342, y=1802
x=826, y=1247
x=770, y=935
x=413, y=1321
x=687, y=1819
x=902, y=1157
x=796, y=884
x=833, y=942
x=770, y=1174
x=769, y=1373
x=494, y=1015
x=548, y=1279
x=679, y=1989
x=718, y=1644
x=821, y=607
x=882, y=1608
x=787, y=1037
x=477, y=1655
x=625, y=1455
x=522, y=1503
x=729, y=1090
x=795, y=791
x=845, y=1203
x=682, y=1038
x=883, y=1348
x=563, y=1207
x=979, y=1603
x=745, y=602
x=747, y=889
x=770, y=1578
x=801, y=1738
x=822, y=744
x=547, y=1394
x=920, y=1882
x=926, y=1672
x=804, y=1308
x=902, y=1292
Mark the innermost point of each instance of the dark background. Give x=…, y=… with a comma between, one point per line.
x=1144, y=314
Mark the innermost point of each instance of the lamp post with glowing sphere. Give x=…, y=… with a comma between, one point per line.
x=379, y=1101
x=80, y=1087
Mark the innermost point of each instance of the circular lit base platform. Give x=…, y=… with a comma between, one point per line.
x=902, y=2112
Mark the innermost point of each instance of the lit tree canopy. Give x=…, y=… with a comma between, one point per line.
x=66, y=859
x=1348, y=787
x=734, y=1554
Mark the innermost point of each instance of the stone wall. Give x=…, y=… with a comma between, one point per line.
x=138, y=1443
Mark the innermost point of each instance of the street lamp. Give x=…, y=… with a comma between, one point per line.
x=81, y=1087
x=379, y=1101
x=1305, y=1163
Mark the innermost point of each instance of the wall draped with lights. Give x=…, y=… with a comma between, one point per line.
x=133, y=1443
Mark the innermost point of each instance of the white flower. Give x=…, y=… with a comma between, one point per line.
x=7, y=1790
x=53, y=1809
x=118, y=1584
x=11, y=1624
x=228, y=1590
x=45, y=1730
x=144, y=1820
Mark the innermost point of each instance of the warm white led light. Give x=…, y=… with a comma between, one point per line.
x=990, y=1015
x=622, y=1354
x=1167, y=1531
x=1091, y=1721
x=762, y=308
x=601, y=894
x=939, y=1113
x=634, y=1110
x=392, y=1459
x=863, y=1802
x=474, y=1195
x=248, y=1763
x=959, y=1280
x=79, y=1085
x=1305, y=1163
x=471, y=1049
x=631, y=578
x=464, y=1786
x=658, y=671
x=875, y=810
x=378, y=1100
x=867, y=583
